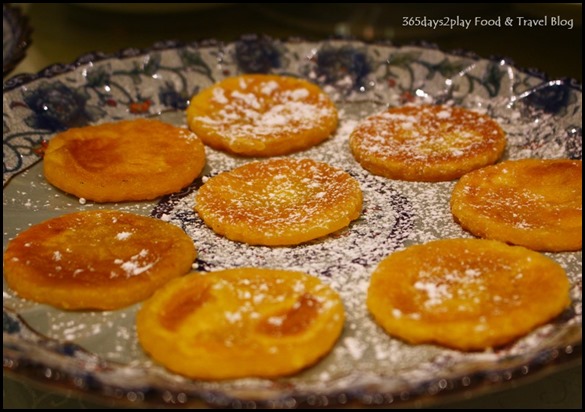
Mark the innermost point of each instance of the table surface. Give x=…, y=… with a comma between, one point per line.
x=63, y=32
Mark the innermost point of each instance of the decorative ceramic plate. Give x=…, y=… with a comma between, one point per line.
x=97, y=352
x=15, y=37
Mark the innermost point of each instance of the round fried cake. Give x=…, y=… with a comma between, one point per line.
x=279, y=202
x=536, y=203
x=123, y=161
x=96, y=259
x=262, y=115
x=236, y=323
x=467, y=294
x=426, y=143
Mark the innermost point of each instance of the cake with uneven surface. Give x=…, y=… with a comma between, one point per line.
x=536, y=203
x=96, y=259
x=123, y=161
x=279, y=202
x=426, y=143
x=467, y=294
x=262, y=115
x=237, y=323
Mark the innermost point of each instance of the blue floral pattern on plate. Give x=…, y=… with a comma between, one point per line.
x=254, y=54
x=57, y=107
x=543, y=118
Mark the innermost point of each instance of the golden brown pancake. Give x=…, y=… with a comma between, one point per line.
x=467, y=294
x=262, y=115
x=96, y=259
x=536, y=203
x=426, y=143
x=279, y=201
x=123, y=161
x=236, y=323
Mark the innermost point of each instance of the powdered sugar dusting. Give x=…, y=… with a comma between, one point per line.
x=396, y=214
x=267, y=112
x=279, y=198
x=137, y=264
x=435, y=292
x=425, y=133
x=123, y=235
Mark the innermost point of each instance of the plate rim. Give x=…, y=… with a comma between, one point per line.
x=128, y=52
x=547, y=360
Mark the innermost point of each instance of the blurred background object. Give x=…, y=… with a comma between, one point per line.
x=16, y=37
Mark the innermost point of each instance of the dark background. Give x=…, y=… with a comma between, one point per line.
x=62, y=32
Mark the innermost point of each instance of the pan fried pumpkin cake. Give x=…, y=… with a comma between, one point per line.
x=244, y=322
x=279, y=202
x=467, y=294
x=96, y=259
x=426, y=143
x=262, y=115
x=536, y=203
x=123, y=161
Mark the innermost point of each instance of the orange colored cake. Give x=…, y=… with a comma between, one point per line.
x=536, y=203
x=123, y=161
x=467, y=294
x=237, y=323
x=426, y=143
x=279, y=202
x=262, y=115
x=96, y=259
